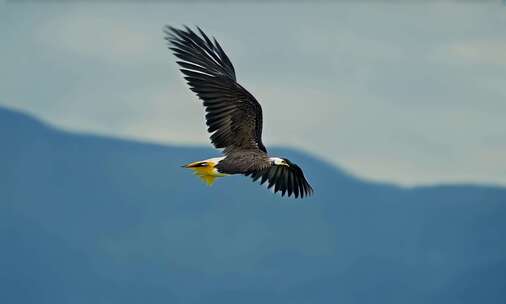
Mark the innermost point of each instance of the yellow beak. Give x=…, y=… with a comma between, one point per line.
x=195, y=164
x=204, y=170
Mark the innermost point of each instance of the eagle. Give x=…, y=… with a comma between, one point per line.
x=233, y=117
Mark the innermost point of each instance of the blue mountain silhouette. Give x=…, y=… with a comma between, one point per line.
x=90, y=219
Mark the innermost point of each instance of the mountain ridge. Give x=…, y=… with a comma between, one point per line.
x=21, y=117
x=102, y=220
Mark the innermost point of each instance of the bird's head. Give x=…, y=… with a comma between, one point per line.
x=207, y=163
x=199, y=164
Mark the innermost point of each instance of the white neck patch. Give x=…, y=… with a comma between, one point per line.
x=215, y=160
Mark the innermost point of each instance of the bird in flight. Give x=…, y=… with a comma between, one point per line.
x=233, y=117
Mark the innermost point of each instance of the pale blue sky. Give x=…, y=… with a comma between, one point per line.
x=412, y=94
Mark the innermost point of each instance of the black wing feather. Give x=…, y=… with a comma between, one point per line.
x=288, y=180
x=233, y=114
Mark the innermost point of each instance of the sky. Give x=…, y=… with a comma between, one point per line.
x=413, y=94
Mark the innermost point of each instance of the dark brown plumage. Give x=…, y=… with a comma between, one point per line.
x=233, y=115
x=287, y=179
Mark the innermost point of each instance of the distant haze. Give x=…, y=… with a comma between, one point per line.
x=412, y=94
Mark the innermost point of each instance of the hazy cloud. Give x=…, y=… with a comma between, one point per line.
x=405, y=93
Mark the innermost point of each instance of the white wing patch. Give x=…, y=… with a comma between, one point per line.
x=277, y=161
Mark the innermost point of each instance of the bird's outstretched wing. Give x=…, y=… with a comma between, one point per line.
x=287, y=179
x=234, y=117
